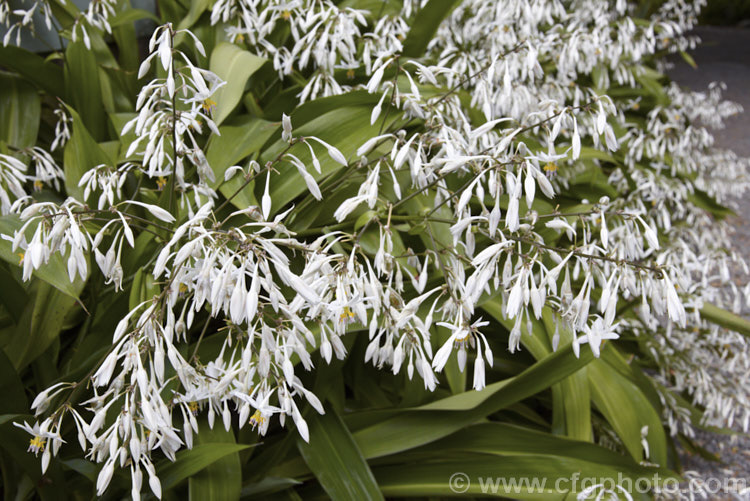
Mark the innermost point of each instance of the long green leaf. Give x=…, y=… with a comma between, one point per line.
x=82, y=153
x=571, y=396
x=334, y=458
x=191, y=461
x=314, y=109
x=222, y=479
x=503, y=439
x=197, y=8
x=425, y=25
x=433, y=421
x=234, y=66
x=628, y=410
x=268, y=485
x=41, y=323
x=12, y=294
x=235, y=144
x=83, y=88
x=509, y=476
x=725, y=318
x=43, y=74
x=705, y=201
x=131, y=15
x=571, y=414
x=11, y=387
x=20, y=109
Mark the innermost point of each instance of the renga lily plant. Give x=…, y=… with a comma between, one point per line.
x=345, y=249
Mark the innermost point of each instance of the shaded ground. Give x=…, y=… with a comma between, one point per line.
x=725, y=56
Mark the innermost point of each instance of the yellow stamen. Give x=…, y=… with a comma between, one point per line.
x=209, y=105
x=350, y=74
x=286, y=15
x=257, y=419
x=182, y=289
x=36, y=444
x=38, y=185
x=21, y=255
x=461, y=341
x=636, y=106
x=161, y=183
x=193, y=406
x=550, y=167
x=347, y=316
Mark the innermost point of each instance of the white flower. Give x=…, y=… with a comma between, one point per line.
x=594, y=335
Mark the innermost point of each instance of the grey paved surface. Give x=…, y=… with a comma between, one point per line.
x=724, y=56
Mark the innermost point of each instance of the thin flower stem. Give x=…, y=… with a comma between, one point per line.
x=575, y=251
x=477, y=73
x=200, y=338
x=393, y=96
x=174, y=127
x=268, y=166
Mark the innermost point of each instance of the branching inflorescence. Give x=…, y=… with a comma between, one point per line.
x=476, y=138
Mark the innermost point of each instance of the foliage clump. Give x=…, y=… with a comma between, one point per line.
x=281, y=198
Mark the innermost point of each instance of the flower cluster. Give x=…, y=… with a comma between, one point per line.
x=15, y=21
x=478, y=139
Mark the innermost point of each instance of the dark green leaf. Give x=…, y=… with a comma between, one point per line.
x=236, y=143
x=197, y=7
x=40, y=324
x=20, y=109
x=11, y=387
x=725, y=318
x=511, y=476
x=504, y=439
x=83, y=88
x=335, y=460
x=628, y=411
x=688, y=59
x=221, y=480
x=430, y=422
x=705, y=201
x=571, y=396
x=425, y=25
x=191, y=461
x=46, y=75
x=130, y=15
x=12, y=294
x=268, y=485
x=81, y=154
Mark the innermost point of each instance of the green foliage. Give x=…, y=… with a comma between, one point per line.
x=382, y=435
